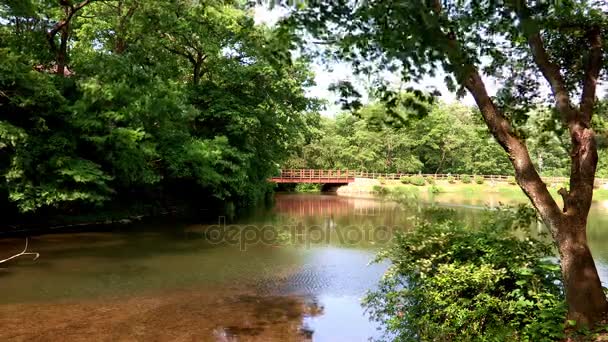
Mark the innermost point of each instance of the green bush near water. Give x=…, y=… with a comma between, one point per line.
x=405, y=179
x=430, y=180
x=449, y=282
x=434, y=189
x=380, y=190
x=451, y=180
x=417, y=180
x=466, y=179
x=308, y=187
x=511, y=180
x=479, y=179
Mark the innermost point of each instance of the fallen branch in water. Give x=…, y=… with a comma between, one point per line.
x=24, y=252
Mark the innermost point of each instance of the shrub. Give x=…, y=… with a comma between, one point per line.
x=479, y=179
x=511, y=180
x=406, y=196
x=417, y=180
x=434, y=189
x=379, y=189
x=430, y=180
x=405, y=179
x=382, y=180
x=308, y=187
x=466, y=179
x=451, y=179
x=448, y=282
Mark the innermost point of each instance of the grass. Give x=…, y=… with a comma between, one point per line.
x=511, y=192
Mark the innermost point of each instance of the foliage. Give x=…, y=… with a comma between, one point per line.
x=308, y=187
x=451, y=179
x=417, y=180
x=405, y=179
x=382, y=180
x=478, y=179
x=430, y=180
x=450, y=139
x=511, y=180
x=380, y=189
x=148, y=108
x=466, y=179
x=449, y=282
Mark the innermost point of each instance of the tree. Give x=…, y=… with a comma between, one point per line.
x=518, y=42
x=134, y=121
x=67, y=11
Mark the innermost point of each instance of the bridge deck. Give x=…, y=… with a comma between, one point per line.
x=348, y=176
x=314, y=176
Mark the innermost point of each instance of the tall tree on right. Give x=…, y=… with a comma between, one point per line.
x=525, y=45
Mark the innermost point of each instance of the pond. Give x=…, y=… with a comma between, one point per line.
x=292, y=272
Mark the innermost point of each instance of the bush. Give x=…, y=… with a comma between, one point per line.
x=434, y=189
x=405, y=179
x=511, y=180
x=448, y=282
x=405, y=196
x=382, y=180
x=430, y=180
x=466, y=179
x=379, y=189
x=417, y=180
x=451, y=179
x=479, y=179
x=308, y=187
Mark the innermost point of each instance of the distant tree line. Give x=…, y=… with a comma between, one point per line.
x=451, y=138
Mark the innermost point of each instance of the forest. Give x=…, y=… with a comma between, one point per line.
x=116, y=101
x=452, y=138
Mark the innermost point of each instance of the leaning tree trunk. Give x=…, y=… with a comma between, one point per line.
x=587, y=303
x=584, y=293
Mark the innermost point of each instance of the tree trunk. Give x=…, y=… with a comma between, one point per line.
x=440, y=162
x=587, y=303
x=63, y=50
x=196, y=73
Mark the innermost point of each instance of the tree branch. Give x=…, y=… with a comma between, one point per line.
x=61, y=24
x=550, y=70
x=592, y=71
x=583, y=155
x=24, y=252
x=181, y=53
x=527, y=176
x=500, y=127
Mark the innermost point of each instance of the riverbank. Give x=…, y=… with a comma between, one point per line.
x=511, y=192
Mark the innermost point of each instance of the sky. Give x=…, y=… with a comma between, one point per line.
x=325, y=75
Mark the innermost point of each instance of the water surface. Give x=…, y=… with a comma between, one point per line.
x=300, y=277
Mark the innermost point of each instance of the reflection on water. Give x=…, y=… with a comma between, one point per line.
x=185, y=282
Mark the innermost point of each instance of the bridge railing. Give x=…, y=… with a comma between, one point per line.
x=349, y=174
x=315, y=174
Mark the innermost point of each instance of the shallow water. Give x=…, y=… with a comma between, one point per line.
x=296, y=271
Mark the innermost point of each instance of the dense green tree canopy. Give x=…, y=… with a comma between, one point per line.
x=452, y=138
x=155, y=97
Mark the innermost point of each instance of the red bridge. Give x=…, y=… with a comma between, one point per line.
x=315, y=176
x=348, y=176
